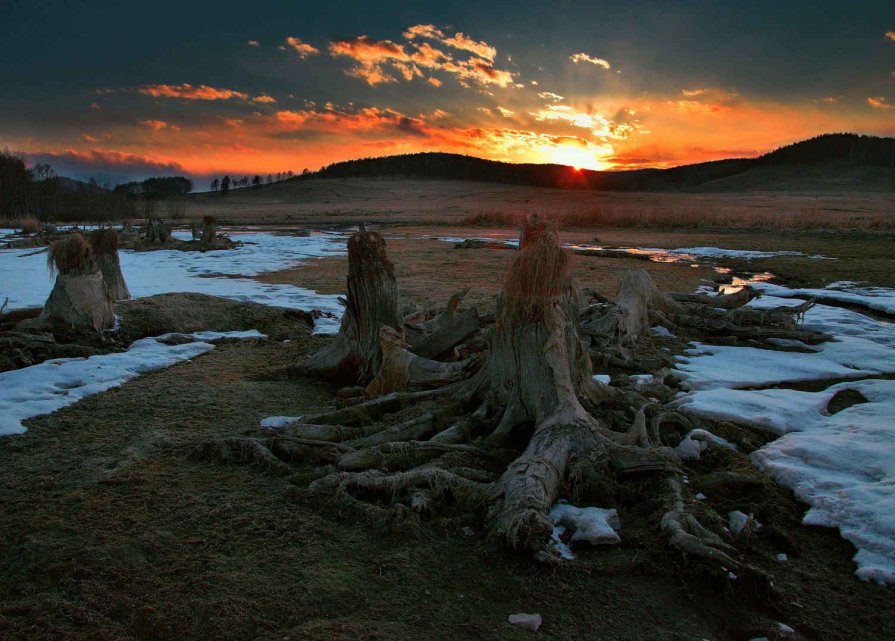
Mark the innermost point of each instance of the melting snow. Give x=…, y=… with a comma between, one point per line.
x=225, y=273
x=595, y=525
x=879, y=298
x=44, y=388
x=842, y=465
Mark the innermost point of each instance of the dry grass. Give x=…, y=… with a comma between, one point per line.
x=71, y=256
x=105, y=242
x=540, y=272
x=28, y=225
x=643, y=215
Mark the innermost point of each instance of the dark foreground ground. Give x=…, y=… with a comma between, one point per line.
x=108, y=530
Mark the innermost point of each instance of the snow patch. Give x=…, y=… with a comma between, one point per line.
x=225, y=273
x=595, y=525
x=878, y=298
x=53, y=384
x=279, y=421
x=696, y=441
x=841, y=465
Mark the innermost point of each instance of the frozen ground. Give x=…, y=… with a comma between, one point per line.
x=879, y=298
x=656, y=254
x=842, y=465
x=42, y=389
x=226, y=273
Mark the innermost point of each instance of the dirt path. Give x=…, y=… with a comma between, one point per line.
x=110, y=531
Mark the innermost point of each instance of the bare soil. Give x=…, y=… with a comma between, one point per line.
x=110, y=530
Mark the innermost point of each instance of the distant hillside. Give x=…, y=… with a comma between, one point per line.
x=841, y=162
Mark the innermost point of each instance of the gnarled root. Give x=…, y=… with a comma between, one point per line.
x=241, y=450
x=435, y=481
x=689, y=536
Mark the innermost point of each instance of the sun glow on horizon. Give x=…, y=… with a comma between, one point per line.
x=576, y=157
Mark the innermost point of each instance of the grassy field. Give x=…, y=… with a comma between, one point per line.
x=400, y=201
x=110, y=530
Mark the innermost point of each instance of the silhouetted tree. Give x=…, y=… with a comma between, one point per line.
x=269, y=179
x=215, y=184
x=256, y=180
x=225, y=185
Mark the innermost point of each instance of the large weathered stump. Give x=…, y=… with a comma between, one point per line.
x=354, y=357
x=80, y=297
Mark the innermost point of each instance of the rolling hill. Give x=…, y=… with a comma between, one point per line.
x=831, y=162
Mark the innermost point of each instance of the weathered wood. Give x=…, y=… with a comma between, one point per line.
x=447, y=335
x=354, y=356
x=401, y=369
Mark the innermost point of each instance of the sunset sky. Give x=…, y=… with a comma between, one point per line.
x=120, y=91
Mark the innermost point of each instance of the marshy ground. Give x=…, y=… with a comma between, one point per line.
x=110, y=531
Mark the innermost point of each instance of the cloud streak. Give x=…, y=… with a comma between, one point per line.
x=583, y=57
x=879, y=103
x=187, y=91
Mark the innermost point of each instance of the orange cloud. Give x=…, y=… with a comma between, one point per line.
x=506, y=113
x=879, y=103
x=465, y=43
x=264, y=99
x=303, y=49
x=154, y=124
x=583, y=57
x=425, y=31
x=187, y=91
x=253, y=43
x=383, y=61
x=435, y=82
x=549, y=95
x=371, y=56
x=459, y=41
x=890, y=35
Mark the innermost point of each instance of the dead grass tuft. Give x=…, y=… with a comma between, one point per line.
x=541, y=271
x=71, y=256
x=28, y=225
x=105, y=241
x=370, y=247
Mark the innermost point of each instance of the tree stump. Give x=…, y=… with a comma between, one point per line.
x=354, y=357
x=80, y=297
x=105, y=248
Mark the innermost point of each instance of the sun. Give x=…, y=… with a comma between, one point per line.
x=576, y=157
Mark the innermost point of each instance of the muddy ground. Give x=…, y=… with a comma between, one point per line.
x=110, y=530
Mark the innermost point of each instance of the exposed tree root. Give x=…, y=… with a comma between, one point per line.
x=688, y=535
x=518, y=421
